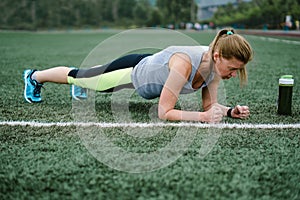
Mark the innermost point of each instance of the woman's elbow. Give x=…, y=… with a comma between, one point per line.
x=162, y=114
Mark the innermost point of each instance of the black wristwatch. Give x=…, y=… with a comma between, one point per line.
x=229, y=112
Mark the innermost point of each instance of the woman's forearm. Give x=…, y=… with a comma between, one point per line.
x=179, y=115
x=215, y=114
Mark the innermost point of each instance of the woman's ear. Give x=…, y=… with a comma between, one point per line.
x=216, y=56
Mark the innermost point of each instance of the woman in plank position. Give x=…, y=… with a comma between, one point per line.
x=167, y=74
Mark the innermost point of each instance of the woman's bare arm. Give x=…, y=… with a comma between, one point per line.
x=180, y=70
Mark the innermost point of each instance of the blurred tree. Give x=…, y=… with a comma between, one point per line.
x=258, y=13
x=115, y=9
x=127, y=6
x=176, y=11
x=141, y=12
x=32, y=14
x=155, y=18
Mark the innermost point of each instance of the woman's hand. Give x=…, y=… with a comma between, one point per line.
x=213, y=115
x=240, y=112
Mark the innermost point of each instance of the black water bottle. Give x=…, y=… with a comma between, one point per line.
x=286, y=84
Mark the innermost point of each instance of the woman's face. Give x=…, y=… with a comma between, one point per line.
x=227, y=68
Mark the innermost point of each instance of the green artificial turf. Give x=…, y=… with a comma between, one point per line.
x=56, y=162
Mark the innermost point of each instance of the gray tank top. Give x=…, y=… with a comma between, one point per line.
x=151, y=73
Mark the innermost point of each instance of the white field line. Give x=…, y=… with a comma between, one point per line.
x=150, y=125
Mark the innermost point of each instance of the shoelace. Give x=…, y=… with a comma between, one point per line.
x=83, y=91
x=80, y=91
x=37, y=89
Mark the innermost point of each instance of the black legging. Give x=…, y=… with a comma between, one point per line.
x=121, y=63
x=128, y=61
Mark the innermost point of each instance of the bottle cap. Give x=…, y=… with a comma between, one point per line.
x=286, y=80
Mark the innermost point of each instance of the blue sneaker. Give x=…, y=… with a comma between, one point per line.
x=32, y=91
x=78, y=93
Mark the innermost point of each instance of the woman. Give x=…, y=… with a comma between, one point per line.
x=166, y=74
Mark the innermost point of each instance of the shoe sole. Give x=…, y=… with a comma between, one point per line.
x=25, y=75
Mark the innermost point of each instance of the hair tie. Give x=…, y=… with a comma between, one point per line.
x=229, y=33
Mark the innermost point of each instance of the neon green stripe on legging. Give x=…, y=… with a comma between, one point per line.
x=104, y=81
